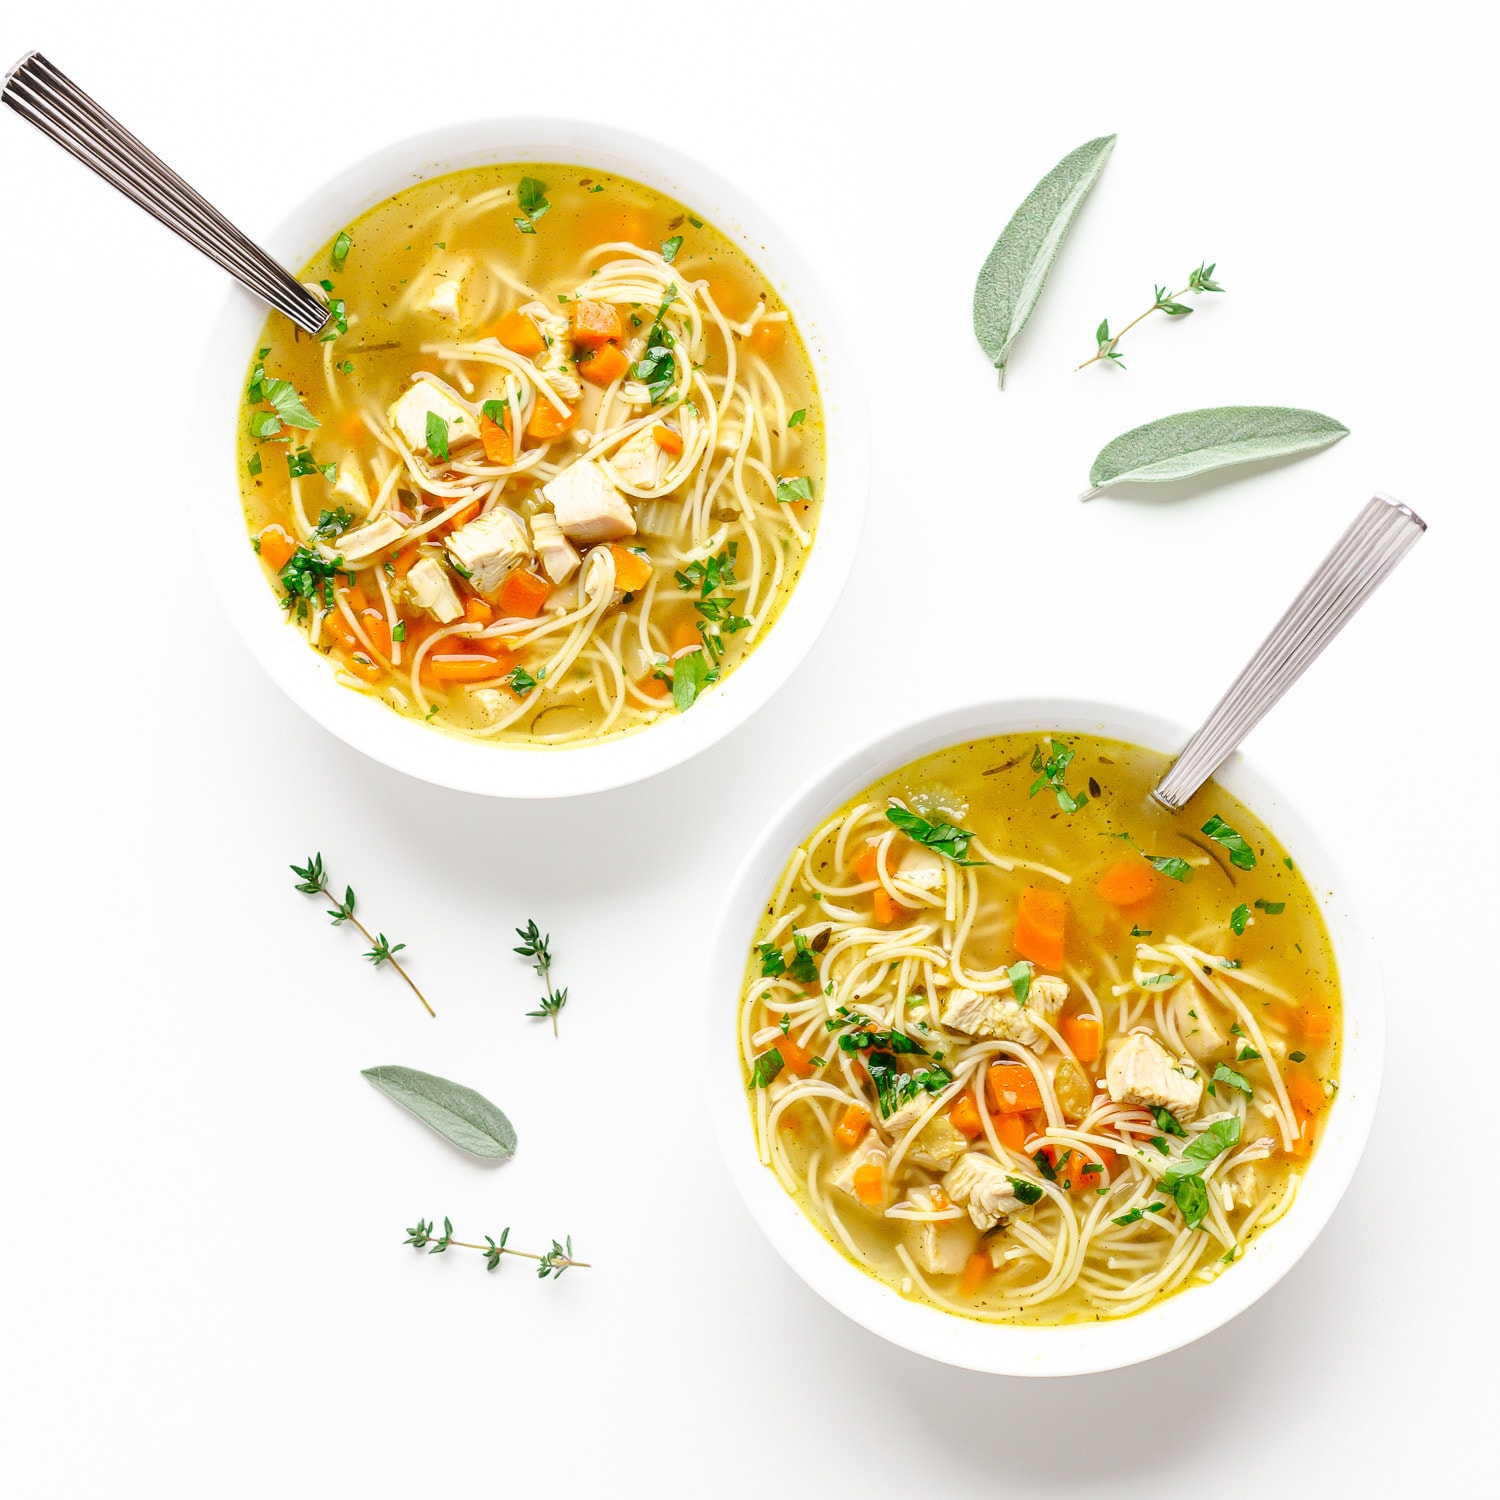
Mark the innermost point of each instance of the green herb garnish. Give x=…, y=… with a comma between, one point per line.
x=531, y=195
x=947, y=839
x=341, y=247
x=1050, y=772
x=789, y=491
x=669, y=248
x=1241, y=855
x=1199, y=281
x=535, y=947
x=551, y=1262
x=765, y=1068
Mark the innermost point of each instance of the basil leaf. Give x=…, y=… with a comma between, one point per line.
x=457, y=1113
x=1241, y=855
x=1016, y=270
x=1197, y=442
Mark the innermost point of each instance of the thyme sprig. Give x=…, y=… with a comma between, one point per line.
x=534, y=946
x=313, y=881
x=1201, y=280
x=551, y=1262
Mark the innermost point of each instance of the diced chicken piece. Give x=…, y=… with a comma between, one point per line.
x=1201, y=1034
x=490, y=702
x=920, y=867
x=587, y=506
x=943, y=1247
x=444, y=298
x=365, y=541
x=559, y=558
x=489, y=547
x=350, y=485
x=1144, y=1073
x=641, y=463
x=1003, y=1016
x=939, y=1144
x=983, y=1186
x=432, y=590
x=409, y=411
x=1244, y=1185
x=870, y=1151
x=556, y=360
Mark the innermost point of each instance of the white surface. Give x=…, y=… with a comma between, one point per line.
x=1082, y=1348
x=476, y=765
x=205, y=1290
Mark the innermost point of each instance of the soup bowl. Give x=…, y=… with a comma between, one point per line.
x=423, y=750
x=1066, y=1349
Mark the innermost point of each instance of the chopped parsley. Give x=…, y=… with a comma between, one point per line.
x=772, y=963
x=333, y=523
x=1239, y=919
x=1248, y=1054
x=1140, y=932
x=688, y=675
x=520, y=681
x=1168, y=1123
x=669, y=248
x=308, y=575
x=1170, y=866
x=1271, y=908
x=797, y=418
x=1227, y=1075
x=253, y=464
x=1050, y=773
x=656, y=369
x=532, y=196
x=696, y=223
x=712, y=576
x=398, y=633
x=946, y=839
x=767, y=1066
x=1241, y=855
x=1184, y=1178
x=1027, y=1192
x=1133, y=1217
x=790, y=490
x=1296, y=1057
x=1020, y=980
x=437, y=437
x=342, y=244
x=288, y=408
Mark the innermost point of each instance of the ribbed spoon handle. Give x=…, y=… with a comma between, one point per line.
x=1381, y=535
x=51, y=101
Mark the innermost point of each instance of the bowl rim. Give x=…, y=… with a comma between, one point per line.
x=441, y=757
x=1068, y=1349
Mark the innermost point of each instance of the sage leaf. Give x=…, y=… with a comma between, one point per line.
x=457, y=1113
x=1016, y=270
x=1195, y=442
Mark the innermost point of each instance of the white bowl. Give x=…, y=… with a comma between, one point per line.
x=1070, y=1349
x=433, y=754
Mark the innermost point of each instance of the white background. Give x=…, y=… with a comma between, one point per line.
x=205, y=1290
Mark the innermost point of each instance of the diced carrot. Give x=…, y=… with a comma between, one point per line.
x=866, y=864
x=276, y=547
x=405, y=560
x=888, y=911
x=477, y=612
x=653, y=686
x=547, y=422
x=1307, y=1133
x=1011, y=1088
x=796, y=1059
x=595, y=323
x=1013, y=1131
x=766, y=338
x=963, y=1115
x=1128, y=883
x=519, y=333
x=731, y=296
x=1081, y=1033
x=352, y=423
x=499, y=447
x=374, y=625
x=682, y=634
x=605, y=364
x=632, y=571
x=978, y=1271
x=470, y=667
x=668, y=439
x=363, y=666
x=523, y=593
x=852, y=1125
x=354, y=596
x=340, y=629
x=605, y=217
x=1317, y=1022
x=1305, y=1092
x=869, y=1184
x=1041, y=920
x=461, y=517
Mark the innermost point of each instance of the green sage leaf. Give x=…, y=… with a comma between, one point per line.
x=457, y=1113
x=1016, y=270
x=1195, y=442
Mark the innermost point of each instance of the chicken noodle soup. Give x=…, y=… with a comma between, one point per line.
x=1027, y=1046
x=554, y=467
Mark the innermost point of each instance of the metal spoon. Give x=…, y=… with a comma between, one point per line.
x=47, y=97
x=1361, y=560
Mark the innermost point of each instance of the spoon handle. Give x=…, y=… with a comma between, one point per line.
x=1380, y=536
x=51, y=101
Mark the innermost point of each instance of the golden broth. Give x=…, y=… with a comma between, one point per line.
x=928, y=1044
x=717, y=461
